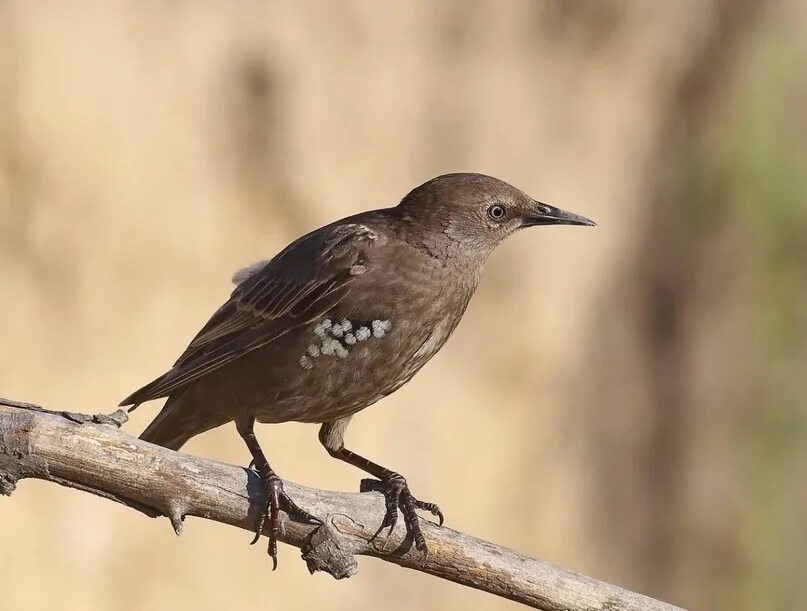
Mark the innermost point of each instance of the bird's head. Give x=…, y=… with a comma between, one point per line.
x=479, y=211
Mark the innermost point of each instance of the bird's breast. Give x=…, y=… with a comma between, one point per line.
x=348, y=359
x=367, y=346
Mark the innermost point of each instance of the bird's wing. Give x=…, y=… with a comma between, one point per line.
x=298, y=286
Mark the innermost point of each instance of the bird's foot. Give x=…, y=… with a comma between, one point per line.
x=396, y=494
x=277, y=499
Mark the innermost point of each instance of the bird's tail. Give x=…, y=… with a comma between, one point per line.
x=173, y=426
x=155, y=389
x=181, y=418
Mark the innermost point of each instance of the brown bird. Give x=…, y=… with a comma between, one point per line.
x=341, y=318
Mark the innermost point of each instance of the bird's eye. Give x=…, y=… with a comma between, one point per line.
x=496, y=212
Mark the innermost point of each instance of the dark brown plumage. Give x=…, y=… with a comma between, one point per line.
x=342, y=317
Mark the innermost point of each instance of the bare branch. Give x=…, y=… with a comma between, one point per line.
x=90, y=453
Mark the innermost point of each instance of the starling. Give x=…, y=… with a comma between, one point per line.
x=341, y=318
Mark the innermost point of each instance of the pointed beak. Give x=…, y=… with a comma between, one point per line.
x=544, y=214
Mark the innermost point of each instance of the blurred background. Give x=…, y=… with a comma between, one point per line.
x=635, y=393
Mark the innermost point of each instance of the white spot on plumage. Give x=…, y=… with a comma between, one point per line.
x=335, y=338
x=380, y=328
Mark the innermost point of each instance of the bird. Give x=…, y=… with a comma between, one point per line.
x=339, y=319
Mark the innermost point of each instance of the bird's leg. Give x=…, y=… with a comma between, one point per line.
x=392, y=484
x=276, y=497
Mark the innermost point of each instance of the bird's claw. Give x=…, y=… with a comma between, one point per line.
x=276, y=499
x=397, y=495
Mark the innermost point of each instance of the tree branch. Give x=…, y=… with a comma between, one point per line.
x=90, y=453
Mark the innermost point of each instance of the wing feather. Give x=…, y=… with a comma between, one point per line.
x=299, y=285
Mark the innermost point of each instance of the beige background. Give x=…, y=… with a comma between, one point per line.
x=628, y=401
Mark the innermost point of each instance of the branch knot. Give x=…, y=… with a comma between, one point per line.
x=329, y=551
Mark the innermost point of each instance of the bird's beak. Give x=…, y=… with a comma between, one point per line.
x=544, y=214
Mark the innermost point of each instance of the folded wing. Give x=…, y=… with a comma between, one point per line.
x=298, y=286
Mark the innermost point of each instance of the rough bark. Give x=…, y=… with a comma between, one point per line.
x=89, y=453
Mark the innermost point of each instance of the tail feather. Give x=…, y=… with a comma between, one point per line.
x=172, y=427
x=152, y=390
x=179, y=420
